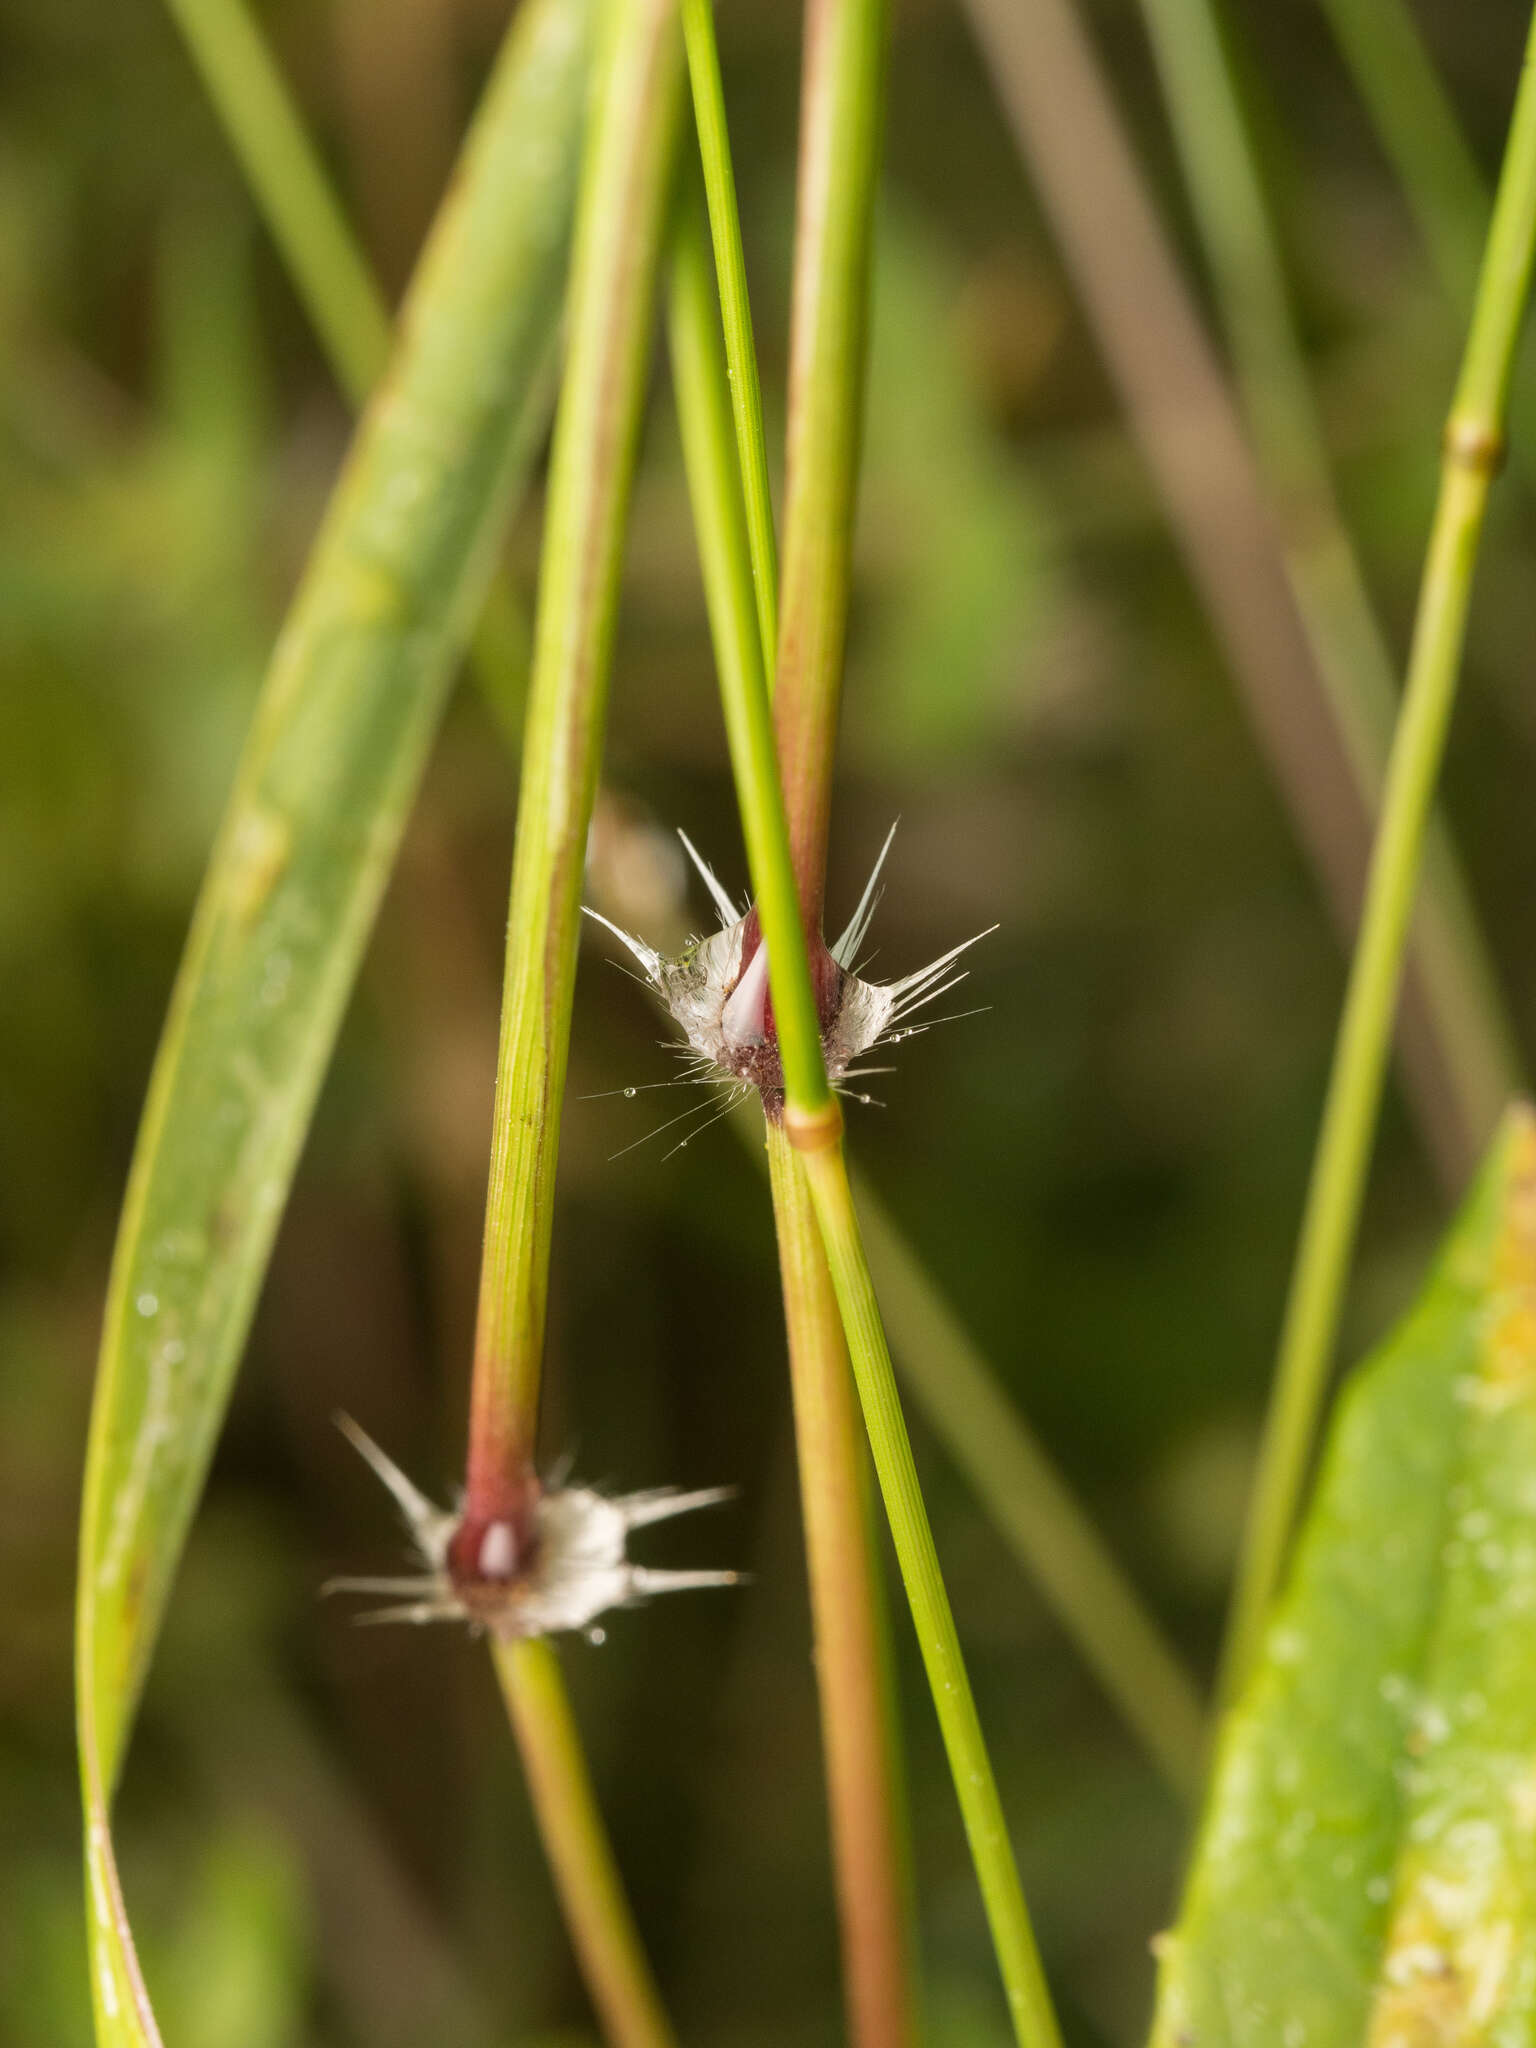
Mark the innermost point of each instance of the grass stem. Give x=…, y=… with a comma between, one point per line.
x=332, y=761
x=1044, y=1526
x=842, y=102
x=812, y=1119
x=736, y=314
x=1474, y=441
x=591, y=1892
x=857, y=1700
x=621, y=212
x=857, y=1714
x=1013, y=1939
x=624, y=192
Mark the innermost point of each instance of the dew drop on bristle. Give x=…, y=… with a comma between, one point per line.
x=631, y=1092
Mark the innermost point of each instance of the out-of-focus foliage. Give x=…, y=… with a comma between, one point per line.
x=1104, y=1167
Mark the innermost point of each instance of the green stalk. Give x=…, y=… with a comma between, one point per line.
x=619, y=227
x=736, y=314
x=325, y=781
x=350, y=316
x=704, y=419
x=858, y=1705
x=813, y=1126
x=819, y=1142
x=844, y=66
x=1474, y=442
x=1348, y=645
x=1015, y=1480
x=857, y=1714
x=626, y=176
x=576, y=1843
x=841, y=114
x=1033, y=1507
x=1052, y=1537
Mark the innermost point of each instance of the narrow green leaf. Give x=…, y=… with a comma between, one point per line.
x=339, y=740
x=1366, y=1872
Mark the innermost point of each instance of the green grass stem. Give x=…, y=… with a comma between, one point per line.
x=625, y=187
x=858, y=1704
x=736, y=312
x=1474, y=441
x=812, y=1119
x=1013, y=1940
x=709, y=450
x=842, y=102
x=613, y=1961
x=1034, y=1509
x=621, y=212
x=857, y=1713
x=336, y=750
x=352, y=322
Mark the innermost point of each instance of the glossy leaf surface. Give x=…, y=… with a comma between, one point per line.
x=1366, y=1872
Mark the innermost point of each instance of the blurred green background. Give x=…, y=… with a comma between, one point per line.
x=323, y=1833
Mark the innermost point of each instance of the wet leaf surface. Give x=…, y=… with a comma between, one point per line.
x=1366, y=1870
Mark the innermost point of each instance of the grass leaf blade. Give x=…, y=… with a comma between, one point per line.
x=329, y=771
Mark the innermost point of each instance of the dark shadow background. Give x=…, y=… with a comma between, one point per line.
x=324, y=1836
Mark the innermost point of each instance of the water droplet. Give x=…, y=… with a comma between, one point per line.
x=147, y=1304
x=631, y=1093
x=597, y=1637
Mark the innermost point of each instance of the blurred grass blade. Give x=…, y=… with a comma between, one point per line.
x=1416, y=125
x=1180, y=412
x=1033, y=1508
x=1366, y=1872
x=1349, y=647
x=336, y=749
x=328, y=269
